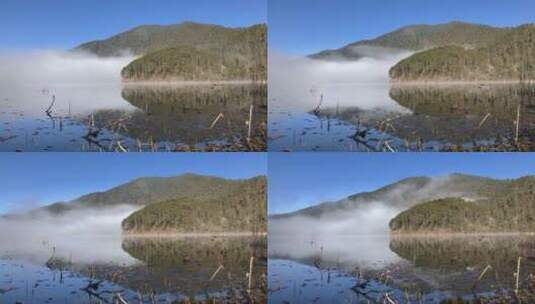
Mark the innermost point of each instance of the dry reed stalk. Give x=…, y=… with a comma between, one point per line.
x=250, y=123
x=120, y=298
x=219, y=116
x=389, y=147
x=517, y=274
x=216, y=272
x=251, y=261
x=517, y=123
x=483, y=120
x=121, y=146
x=481, y=276
x=387, y=297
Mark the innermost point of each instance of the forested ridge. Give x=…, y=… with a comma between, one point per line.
x=421, y=37
x=188, y=51
x=241, y=210
x=510, y=209
x=508, y=57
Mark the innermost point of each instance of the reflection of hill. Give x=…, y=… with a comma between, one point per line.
x=189, y=263
x=460, y=254
x=185, y=265
x=500, y=101
x=454, y=114
x=185, y=114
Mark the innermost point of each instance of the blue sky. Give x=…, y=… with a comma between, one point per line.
x=298, y=180
x=32, y=179
x=307, y=26
x=28, y=24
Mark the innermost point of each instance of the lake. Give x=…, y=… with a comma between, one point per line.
x=379, y=117
x=368, y=269
x=150, y=270
x=115, y=117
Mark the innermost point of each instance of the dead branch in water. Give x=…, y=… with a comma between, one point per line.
x=316, y=111
x=49, y=110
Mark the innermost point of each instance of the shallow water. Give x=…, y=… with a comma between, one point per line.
x=167, y=269
x=378, y=117
x=366, y=268
x=112, y=117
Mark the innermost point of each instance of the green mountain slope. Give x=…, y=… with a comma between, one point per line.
x=507, y=57
x=186, y=63
x=188, y=51
x=510, y=209
x=417, y=37
x=405, y=194
x=149, y=190
x=241, y=210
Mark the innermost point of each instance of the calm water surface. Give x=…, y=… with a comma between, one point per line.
x=362, y=269
x=91, y=270
x=112, y=117
x=380, y=117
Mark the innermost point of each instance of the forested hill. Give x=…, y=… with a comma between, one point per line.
x=510, y=210
x=241, y=210
x=417, y=38
x=507, y=57
x=188, y=51
x=146, y=191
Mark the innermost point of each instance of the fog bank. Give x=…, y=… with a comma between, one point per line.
x=300, y=81
x=80, y=82
x=86, y=236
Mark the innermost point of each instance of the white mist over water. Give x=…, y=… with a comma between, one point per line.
x=80, y=82
x=86, y=236
x=299, y=82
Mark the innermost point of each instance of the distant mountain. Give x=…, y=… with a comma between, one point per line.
x=148, y=190
x=512, y=209
x=416, y=38
x=241, y=209
x=506, y=57
x=405, y=194
x=188, y=51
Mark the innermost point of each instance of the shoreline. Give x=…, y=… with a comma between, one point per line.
x=457, y=234
x=188, y=83
x=394, y=83
x=190, y=234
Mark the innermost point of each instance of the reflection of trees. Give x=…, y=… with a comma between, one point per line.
x=189, y=263
x=455, y=114
x=184, y=265
x=459, y=101
x=185, y=114
x=462, y=253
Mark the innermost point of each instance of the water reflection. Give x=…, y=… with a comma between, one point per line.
x=171, y=268
x=97, y=117
x=434, y=267
x=408, y=118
